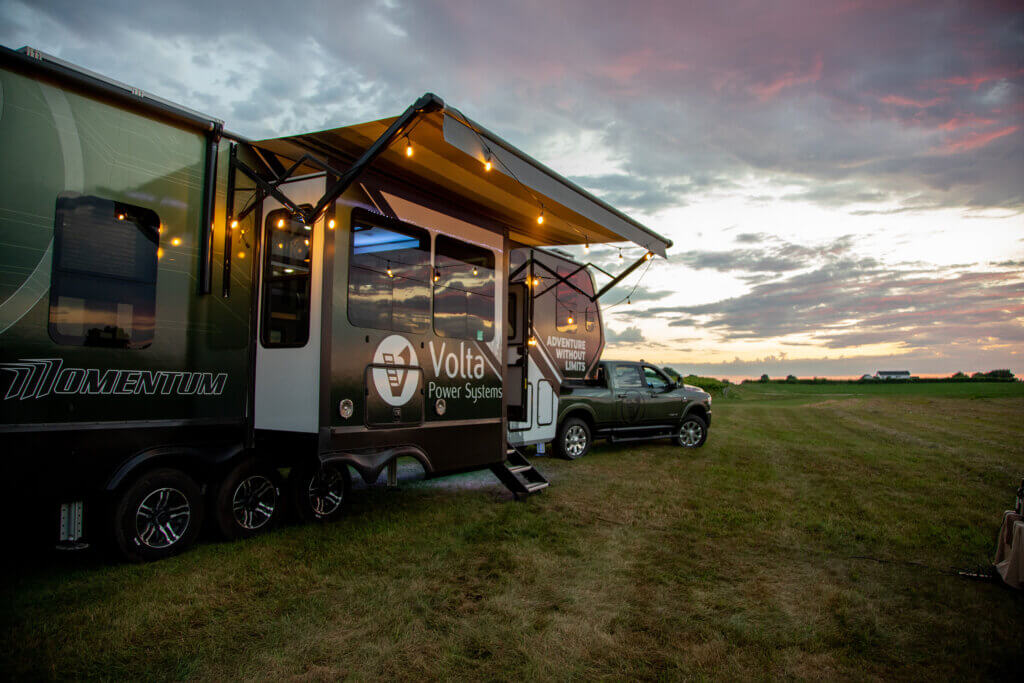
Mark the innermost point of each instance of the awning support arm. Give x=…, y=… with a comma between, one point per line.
x=624, y=274
x=426, y=104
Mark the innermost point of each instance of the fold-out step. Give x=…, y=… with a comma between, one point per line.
x=518, y=475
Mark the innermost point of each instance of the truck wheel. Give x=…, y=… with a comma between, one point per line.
x=693, y=432
x=248, y=500
x=573, y=439
x=320, y=491
x=159, y=515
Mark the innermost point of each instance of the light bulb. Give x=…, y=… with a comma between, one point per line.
x=234, y=224
x=280, y=222
x=648, y=256
x=586, y=247
x=620, y=256
x=487, y=165
x=330, y=224
x=540, y=217
x=532, y=341
x=474, y=270
x=390, y=272
x=569, y=320
x=120, y=216
x=408, y=148
x=176, y=241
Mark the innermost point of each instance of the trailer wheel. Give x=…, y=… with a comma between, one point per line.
x=573, y=439
x=319, y=492
x=693, y=432
x=248, y=500
x=158, y=516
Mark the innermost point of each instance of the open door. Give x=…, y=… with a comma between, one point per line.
x=516, y=361
x=287, y=387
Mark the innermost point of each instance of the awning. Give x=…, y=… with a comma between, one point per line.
x=449, y=152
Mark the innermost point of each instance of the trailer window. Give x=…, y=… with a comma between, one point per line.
x=574, y=309
x=389, y=277
x=103, y=280
x=463, y=290
x=286, y=281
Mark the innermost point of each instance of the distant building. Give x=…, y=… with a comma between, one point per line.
x=892, y=374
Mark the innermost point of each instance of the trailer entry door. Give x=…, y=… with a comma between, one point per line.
x=290, y=294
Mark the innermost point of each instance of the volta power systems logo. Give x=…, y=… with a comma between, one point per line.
x=396, y=370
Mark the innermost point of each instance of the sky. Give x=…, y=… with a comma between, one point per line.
x=843, y=181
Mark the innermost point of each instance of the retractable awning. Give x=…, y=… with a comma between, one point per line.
x=449, y=155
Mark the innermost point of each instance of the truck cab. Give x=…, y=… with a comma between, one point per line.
x=630, y=401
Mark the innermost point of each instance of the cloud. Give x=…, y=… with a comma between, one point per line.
x=779, y=257
x=630, y=335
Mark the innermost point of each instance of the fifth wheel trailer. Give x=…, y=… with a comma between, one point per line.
x=186, y=314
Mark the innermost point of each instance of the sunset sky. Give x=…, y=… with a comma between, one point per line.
x=843, y=181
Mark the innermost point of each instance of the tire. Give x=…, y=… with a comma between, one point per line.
x=157, y=516
x=574, y=439
x=693, y=432
x=320, y=493
x=248, y=501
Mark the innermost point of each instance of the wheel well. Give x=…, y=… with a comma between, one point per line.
x=202, y=464
x=583, y=415
x=698, y=411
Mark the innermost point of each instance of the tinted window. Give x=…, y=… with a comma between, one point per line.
x=655, y=379
x=463, y=290
x=389, y=277
x=574, y=310
x=286, y=281
x=103, y=281
x=628, y=377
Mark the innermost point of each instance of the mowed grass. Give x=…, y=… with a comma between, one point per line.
x=807, y=539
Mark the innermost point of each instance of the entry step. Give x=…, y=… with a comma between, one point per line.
x=518, y=475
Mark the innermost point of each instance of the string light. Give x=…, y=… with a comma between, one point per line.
x=620, y=256
x=648, y=256
x=408, y=147
x=586, y=246
x=280, y=222
x=540, y=216
x=569, y=320
x=234, y=224
x=120, y=216
x=330, y=224
x=532, y=341
x=390, y=272
x=487, y=161
x=176, y=241
x=474, y=270
x=437, y=274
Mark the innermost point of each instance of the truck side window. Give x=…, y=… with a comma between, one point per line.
x=103, y=280
x=655, y=379
x=389, y=276
x=286, y=281
x=628, y=377
x=463, y=290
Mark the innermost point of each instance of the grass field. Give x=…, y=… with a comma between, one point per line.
x=815, y=535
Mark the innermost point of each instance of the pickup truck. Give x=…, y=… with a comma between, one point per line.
x=630, y=401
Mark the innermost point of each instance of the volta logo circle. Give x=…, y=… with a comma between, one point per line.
x=396, y=383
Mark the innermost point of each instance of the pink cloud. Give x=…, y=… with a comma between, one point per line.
x=900, y=101
x=968, y=121
x=976, y=140
x=976, y=80
x=766, y=91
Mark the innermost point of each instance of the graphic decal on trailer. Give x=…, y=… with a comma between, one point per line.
x=394, y=383
x=42, y=377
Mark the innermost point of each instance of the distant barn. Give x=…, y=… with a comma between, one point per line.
x=892, y=374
